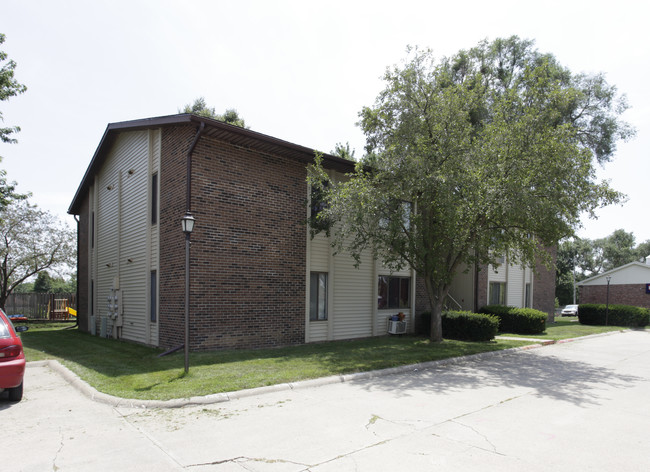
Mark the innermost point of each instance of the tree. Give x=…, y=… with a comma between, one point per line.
x=200, y=108
x=9, y=87
x=586, y=258
x=488, y=152
x=31, y=241
x=343, y=151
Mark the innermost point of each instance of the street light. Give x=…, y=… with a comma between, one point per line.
x=188, y=226
x=609, y=278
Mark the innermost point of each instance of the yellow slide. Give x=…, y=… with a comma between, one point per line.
x=72, y=312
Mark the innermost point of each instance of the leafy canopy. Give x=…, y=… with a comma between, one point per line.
x=9, y=87
x=488, y=152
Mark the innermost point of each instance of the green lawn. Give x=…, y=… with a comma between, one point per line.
x=134, y=371
x=566, y=328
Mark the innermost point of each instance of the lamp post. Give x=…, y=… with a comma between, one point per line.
x=188, y=226
x=609, y=278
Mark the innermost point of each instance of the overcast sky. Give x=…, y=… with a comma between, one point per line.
x=296, y=70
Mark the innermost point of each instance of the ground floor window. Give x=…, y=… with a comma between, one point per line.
x=318, y=296
x=497, y=295
x=527, y=296
x=394, y=292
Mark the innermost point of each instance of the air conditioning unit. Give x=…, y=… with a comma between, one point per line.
x=396, y=327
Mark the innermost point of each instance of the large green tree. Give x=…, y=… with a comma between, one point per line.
x=32, y=240
x=581, y=258
x=200, y=107
x=9, y=87
x=488, y=152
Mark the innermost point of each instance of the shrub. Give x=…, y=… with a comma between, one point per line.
x=619, y=315
x=468, y=326
x=517, y=320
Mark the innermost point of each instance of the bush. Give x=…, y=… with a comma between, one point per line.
x=517, y=320
x=461, y=325
x=468, y=326
x=619, y=315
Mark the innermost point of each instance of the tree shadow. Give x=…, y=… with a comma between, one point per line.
x=546, y=375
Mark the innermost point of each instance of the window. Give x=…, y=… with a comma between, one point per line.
x=497, y=294
x=92, y=229
x=394, y=292
x=154, y=199
x=153, y=290
x=527, y=296
x=318, y=296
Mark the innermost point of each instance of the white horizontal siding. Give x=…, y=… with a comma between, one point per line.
x=353, y=294
x=121, y=221
x=515, y=286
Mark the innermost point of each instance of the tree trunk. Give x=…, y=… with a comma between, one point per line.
x=436, y=320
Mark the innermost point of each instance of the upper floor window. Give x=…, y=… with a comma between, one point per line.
x=154, y=199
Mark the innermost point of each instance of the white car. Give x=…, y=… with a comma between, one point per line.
x=570, y=310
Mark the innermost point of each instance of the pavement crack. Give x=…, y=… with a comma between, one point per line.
x=58, y=451
x=248, y=459
x=493, y=448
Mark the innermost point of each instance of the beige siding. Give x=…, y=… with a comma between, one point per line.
x=462, y=290
x=353, y=291
x=319, y=261
x=515, y=286
x=122, y=228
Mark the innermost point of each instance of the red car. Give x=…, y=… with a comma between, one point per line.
x=12, y=359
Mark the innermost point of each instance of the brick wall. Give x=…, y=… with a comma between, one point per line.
x=631, y=294
x=544, y=286
x=248, y=247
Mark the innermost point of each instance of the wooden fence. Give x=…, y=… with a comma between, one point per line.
x=40, y=306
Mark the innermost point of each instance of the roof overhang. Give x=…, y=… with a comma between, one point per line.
x=216, y=129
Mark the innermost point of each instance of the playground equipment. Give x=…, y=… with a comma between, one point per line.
x=61, y=310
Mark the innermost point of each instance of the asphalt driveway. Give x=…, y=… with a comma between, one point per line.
x=582, y=405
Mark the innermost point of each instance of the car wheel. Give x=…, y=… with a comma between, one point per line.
x=16, y=393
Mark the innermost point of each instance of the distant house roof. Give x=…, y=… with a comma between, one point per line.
x=217, y=129
x=632, y=273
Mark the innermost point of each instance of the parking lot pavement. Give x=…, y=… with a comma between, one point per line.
x=576, y=406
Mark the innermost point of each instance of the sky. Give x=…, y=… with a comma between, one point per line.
x=297, y=70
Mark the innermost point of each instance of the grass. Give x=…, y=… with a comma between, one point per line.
x=566, y=328
x=134, y=371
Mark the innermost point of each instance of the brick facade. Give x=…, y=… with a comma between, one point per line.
x=248, y=253
x=544, y=286
x=631, y=294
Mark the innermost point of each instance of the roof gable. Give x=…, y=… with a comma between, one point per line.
x=231, y=134
x=632, y=273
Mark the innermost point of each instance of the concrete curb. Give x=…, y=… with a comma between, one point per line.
x=95, y=395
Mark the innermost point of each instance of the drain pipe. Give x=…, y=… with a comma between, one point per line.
x=188, y=207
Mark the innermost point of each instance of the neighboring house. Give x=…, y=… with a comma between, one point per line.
x=628, y=285
x=258, y=279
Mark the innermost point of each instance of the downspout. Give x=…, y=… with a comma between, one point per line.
x=76, y=325
x=188, y=196
x=188, y=208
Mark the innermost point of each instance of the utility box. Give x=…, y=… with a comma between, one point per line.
x=396, y=327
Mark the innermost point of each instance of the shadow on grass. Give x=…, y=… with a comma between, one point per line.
x=113, y=358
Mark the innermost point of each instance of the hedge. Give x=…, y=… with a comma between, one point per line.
x=464, y=325
x=619, y=315
x=517, y=320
